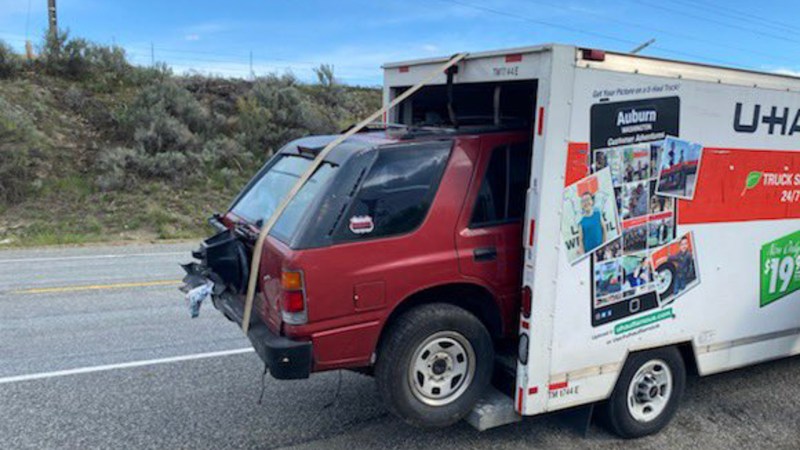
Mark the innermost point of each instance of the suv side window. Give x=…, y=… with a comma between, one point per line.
x=501, y=198
x=396, y=194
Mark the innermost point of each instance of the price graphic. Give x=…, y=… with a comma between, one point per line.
x=780, y=268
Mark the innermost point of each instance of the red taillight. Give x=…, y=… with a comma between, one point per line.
x=527, y=302
x=293, y=302
x=293, y=298
x=591, y=54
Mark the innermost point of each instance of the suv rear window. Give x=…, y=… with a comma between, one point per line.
x=289, y=221
x=262, y=198
x=396, y=194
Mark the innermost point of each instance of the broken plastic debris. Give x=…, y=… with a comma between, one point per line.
x=196, y=296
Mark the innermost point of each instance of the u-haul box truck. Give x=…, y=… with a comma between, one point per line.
x=661, y=225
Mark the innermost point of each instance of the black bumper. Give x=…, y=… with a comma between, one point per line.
x=285, y=358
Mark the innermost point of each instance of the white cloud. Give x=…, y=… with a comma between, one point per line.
x=208, y=28
x=787, y=71
x=192, y=37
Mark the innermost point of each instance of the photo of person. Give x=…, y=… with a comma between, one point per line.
x=635, y=200
x=678, y=167
x=661, y=230
x=655, y=151
x=636, y=163
x=660, y=204
x=636, y=273
x=676, y=268
x=607, y=278
x=634, y=236
x=610, y=251
x=611, y=158
x=590, y=218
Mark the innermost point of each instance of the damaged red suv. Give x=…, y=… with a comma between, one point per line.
x=401, y=257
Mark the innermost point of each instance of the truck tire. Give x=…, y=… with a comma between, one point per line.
x=647, y=393
x=434, y=364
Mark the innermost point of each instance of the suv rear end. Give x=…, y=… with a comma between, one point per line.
x=380, y=234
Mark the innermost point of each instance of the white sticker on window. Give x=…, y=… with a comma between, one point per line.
x=361, y=224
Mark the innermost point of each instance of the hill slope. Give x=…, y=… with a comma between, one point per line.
x=100, y=150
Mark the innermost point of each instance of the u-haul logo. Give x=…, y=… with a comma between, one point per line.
x=776, y=120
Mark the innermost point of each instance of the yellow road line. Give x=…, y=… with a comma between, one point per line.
x=96, y=287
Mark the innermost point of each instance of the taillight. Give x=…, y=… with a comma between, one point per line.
x=293, y=302
x=293, y=298
x=527, y=301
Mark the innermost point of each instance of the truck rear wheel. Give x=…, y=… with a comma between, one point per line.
x=435, y=362
x=647, y=393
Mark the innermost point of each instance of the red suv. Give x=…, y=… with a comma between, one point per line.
x=400, y=257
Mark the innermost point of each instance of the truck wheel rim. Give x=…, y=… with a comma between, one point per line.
x=442, y=368
x=649, y=391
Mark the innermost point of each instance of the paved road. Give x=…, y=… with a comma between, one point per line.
x=64, y=309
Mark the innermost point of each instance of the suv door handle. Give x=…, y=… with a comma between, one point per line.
x=484, y=254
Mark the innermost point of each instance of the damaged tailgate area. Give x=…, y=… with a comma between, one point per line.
x=221, y=272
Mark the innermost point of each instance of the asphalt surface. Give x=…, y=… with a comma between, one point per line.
x=65, y=309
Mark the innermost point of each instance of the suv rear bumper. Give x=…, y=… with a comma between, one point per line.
x=285, y=358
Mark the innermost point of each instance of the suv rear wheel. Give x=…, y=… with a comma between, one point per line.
x=435, y=362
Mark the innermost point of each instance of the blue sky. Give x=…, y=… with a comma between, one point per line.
x=357, y=36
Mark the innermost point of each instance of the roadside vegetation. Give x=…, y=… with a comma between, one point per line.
x=93, y=148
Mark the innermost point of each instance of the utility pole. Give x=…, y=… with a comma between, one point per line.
x=51, y=14
x=152, y=55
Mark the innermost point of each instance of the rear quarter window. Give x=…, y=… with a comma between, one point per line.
x=397, y=192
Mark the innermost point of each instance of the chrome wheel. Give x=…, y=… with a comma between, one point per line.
x=442, y=368
x=650, y=391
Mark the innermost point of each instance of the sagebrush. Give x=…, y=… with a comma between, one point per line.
x=83, y=131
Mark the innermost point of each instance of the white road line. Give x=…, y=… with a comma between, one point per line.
x=127, y=365
x=70, y=258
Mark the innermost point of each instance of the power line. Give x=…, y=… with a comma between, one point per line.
x=669, y=33
x=739, y=15
x=718, y=22
x=132, y=49
x=590, y=33
x=541, y=22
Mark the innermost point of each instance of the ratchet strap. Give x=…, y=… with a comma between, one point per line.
x=255, y=263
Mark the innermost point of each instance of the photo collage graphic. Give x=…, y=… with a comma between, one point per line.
x=622, y=269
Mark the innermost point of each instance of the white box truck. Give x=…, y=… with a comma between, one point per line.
x=699, y=269
x=605, y=221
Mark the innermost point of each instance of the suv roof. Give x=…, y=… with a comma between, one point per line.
x=386, y=134
x=392, y=133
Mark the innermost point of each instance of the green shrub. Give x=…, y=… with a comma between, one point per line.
x=10, y=62
x=102, y=68
x=276, y=111
x=162, y=105
x=20, y=153
x=75, y=98
x=170, y=137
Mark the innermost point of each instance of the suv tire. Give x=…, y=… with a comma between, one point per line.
x=435, y=362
